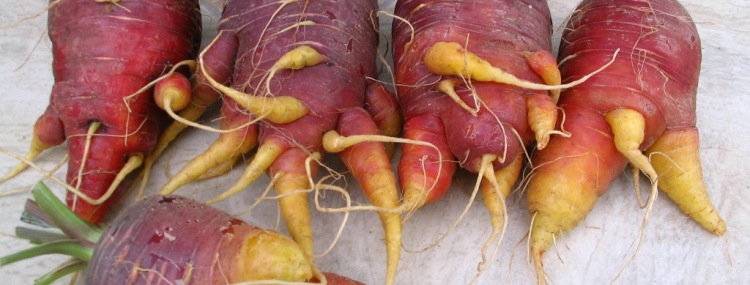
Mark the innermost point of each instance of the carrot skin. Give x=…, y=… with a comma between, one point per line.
x=218, y=64
x=382, y=105
x=89, y=58
x=481, y=122
x=367, y=159
x=676, y=156
x=560, y=171
x=49, y=129
x=327, y=89
x=218, y=61
x=423, y=167
x=176, y=88
x=143, y=236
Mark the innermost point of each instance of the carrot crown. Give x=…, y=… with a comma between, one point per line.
x=57, y=231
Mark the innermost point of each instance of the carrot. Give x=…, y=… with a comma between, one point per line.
x=163, y=240
x=470, y=83
x=640, y=110
x=105, y=56
x=300, y=68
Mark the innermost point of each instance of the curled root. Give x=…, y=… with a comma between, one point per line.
x=282, y=109
x=405, y=21
x=322, y=186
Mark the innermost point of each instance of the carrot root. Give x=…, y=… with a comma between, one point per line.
x=676, y=157
x=545, y=65
x=292, y=187
x=228, y=147
x=628, y=127
x=267, y=255
x=542, y=118
x=173, y=93
x=496, y=187
x=369, y=162
x=448, y=86
x=279, y=109
x=48, y=132
x=561, y=192
x=36, y=148
x=448, y=58
x=267, y=154
x=504, y=179
x=382, y=105
x=191, y=113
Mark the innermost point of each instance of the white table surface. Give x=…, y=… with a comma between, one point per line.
x=675, y=251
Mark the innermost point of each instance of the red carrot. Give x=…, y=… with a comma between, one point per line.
x=467, y=72
x=299, y=68
x=644, y=101
x=105, y=53
x=164, y=240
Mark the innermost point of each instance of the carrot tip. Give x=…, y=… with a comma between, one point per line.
x=541, y=277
